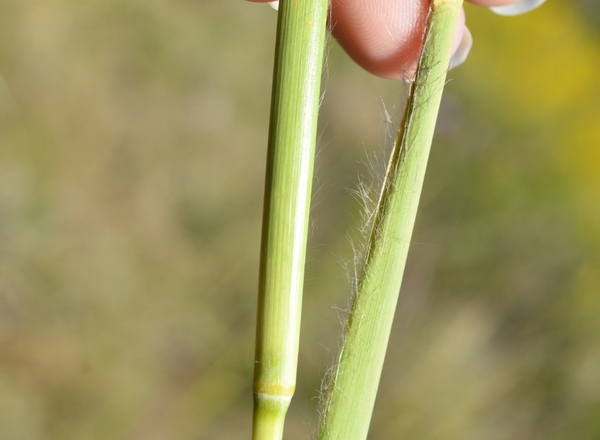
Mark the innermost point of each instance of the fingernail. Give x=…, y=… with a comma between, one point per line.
x=463, y=50
x=518, y=8
x=274, y=5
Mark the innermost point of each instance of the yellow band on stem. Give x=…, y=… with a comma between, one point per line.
x=273, y=389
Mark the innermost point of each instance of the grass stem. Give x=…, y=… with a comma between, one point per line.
x=292, y=135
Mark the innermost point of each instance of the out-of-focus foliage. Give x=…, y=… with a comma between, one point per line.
x=132, y=147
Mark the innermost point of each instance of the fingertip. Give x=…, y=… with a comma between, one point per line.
x=509, y=7
x=382, y=36
x=462, y=51
x=518, y=8
x=460, y=29
x=490, y=3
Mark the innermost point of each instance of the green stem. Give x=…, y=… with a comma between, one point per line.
x=292, y=136
x=351, y=397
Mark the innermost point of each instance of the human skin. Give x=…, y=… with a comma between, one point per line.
x=384, y=36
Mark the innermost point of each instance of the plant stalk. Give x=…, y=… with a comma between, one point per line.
x=301, y=29
x=353, y=388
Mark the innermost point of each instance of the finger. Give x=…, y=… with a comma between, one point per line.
x=518, y=8
x=461, y=52
x=384, y=36
x=509, y=7
x=488, y=3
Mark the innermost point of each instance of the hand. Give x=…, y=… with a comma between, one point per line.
x=384, y=36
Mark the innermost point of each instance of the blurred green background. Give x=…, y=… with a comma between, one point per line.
x=132, y=150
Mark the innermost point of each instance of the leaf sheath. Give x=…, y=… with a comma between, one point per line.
x=351, y=395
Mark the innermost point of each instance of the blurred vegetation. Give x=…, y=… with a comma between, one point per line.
x=132, y=146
